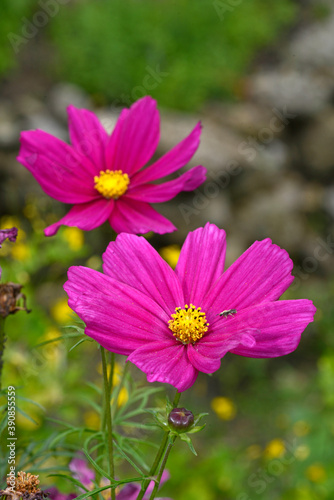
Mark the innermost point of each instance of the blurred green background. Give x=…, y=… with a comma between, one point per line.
x=271, y=425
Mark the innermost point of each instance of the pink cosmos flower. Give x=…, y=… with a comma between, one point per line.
x=85, y=475
x=11, y=234
x=174, y=324
x=103, y=175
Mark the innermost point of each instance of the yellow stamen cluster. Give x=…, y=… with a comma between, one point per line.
x=188, y=324
x=111, y=183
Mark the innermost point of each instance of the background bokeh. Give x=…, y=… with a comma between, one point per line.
x=259, y=75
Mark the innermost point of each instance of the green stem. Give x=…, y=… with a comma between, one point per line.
x=160, y=454
x=2, y=345
x=110, y=385
x=108, y=417
x=162, y=466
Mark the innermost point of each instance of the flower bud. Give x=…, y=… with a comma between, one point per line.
x=180, y=419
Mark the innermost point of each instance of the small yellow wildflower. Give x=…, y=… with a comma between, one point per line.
x=316, y=473
x=94, y=262
x=24, y=423
x=20, y=252
x=123, y=397
x=10, y=221
x=170, y=254
x=254, y=451
x=274, y=449
x=52, y=352
x=92, y=419
x=30, y=211
x=301, y=428
x=224, y=408
x=302, y=452
x=74, y=238
x=303, y=493
x=116, y=375
x=61, y=311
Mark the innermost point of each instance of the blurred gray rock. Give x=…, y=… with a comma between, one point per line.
x=64, y=94
x=300, y=92
x=314, y=46
x=278, y=212
x=44, y=121
x=317, y=143
x=26, y=105
x=9, y=127
x=244, y=117
x=328, y=200
x=218, y=147
x=108, y=117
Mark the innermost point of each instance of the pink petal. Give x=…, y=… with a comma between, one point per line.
x=131, y=490
x=201, y=262
x=202, y=363
x=136, y=137
x=88, y=136
x=165, y=476
x=62, y=173
x=165, y=362
x=175, y=159
x=205, y=355
x=85, y=216
x=81, y=471
x=262, y=273
x=152, y=193
x=10, y=234
x=132, y=260
x=117, y=316
x=276, y=327
x=137, y=217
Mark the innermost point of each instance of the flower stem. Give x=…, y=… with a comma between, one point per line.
x=2, y=345
x=162, y=466
x=107, y=417
x=160, y=454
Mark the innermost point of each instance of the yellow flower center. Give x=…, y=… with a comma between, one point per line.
x=111, y=183
x=188, y=324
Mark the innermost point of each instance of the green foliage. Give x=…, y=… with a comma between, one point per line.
x=113, y=48
x=11, y=23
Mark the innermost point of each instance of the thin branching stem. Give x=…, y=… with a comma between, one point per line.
x=161, y=453
x=171, y=441
x=108, y=418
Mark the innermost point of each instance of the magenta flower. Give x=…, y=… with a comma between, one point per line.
x=9, y=234
x=85, y=475
x=104, y=177
x=174, y=324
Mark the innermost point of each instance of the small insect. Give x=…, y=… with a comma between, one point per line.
x=228, y=312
